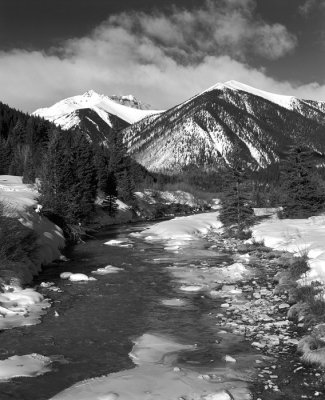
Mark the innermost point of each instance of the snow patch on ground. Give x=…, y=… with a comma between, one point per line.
x=183, y=228
x=199, y=278
x=21, y=307
x=151, y=348
x=155, y=377
x=109, y=269
x=168, y=197
x=266, y=212
x=20, y=200
x=298, y=236
x=119, y=243
x=28, y=366
x=18, y=306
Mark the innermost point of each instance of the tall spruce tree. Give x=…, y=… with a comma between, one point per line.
x=303, y=193
x=121, y=165
x=236, y=210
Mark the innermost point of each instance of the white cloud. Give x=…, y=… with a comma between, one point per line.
x=161, y=59
x=310, y=5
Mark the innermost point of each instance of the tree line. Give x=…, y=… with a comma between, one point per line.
x=296, y=184
x=70, y=169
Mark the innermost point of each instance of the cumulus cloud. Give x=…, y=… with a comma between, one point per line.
x=217, y=28
x=161, y=58
x=310, y=5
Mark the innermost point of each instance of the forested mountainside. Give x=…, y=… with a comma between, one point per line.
x=73, y=169
x=205, y=130
x=23, y=141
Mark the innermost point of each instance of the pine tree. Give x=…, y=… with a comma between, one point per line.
x=125, y=185
x=29, y=174
x=300, y=184
x=107, y=183
x=4, y=157
x=236, y=209
x=110, y=203
x=121, y=165
x=84, y=189
x=68, y=183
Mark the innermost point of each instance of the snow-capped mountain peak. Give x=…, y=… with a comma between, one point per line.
x=282, y=100
x=66, y=113
x=90, y=93
x=285, y=101
x=206, y=129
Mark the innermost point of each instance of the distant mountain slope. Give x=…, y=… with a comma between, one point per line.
x=96, y=114
x=205, y=130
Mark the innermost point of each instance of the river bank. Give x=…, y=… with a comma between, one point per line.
x=178, y=283
x=38, y=241
x=22, y=305
x=246, y=347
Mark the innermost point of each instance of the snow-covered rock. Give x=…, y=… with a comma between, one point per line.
x=27, y=366
x=109, y=269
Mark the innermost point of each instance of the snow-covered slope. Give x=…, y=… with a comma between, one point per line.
x=281, y=100
x=205, y=130
x=88, y=108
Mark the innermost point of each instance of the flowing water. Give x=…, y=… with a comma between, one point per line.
x=90, y=327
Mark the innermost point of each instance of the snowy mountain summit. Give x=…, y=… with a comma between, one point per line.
x=205, y=130
x=95, y=112
x=282, y=100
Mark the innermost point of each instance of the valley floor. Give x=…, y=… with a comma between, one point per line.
x=253, y=296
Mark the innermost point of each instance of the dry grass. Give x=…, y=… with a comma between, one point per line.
x=299, y=267
x=313, y=350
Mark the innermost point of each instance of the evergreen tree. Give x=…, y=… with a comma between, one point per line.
x=107, y=184
x=68, y=182
x=121, y=165
x=236, y=209
x=111, y=194
x=29, y=174
x=125, y=186
x=4, y=157
x=300, y=184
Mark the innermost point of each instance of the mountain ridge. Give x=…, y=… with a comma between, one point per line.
x=205, y=130
x=99, y=110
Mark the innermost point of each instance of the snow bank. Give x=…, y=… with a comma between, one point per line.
x=20, y=200
x=155, y=377
x=183, y=228
x=298, y=236
x=28, y=366
x=21, y=307
x=168, y=197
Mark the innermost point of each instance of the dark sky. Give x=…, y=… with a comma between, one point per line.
x=38, y=26
x=41, y=23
